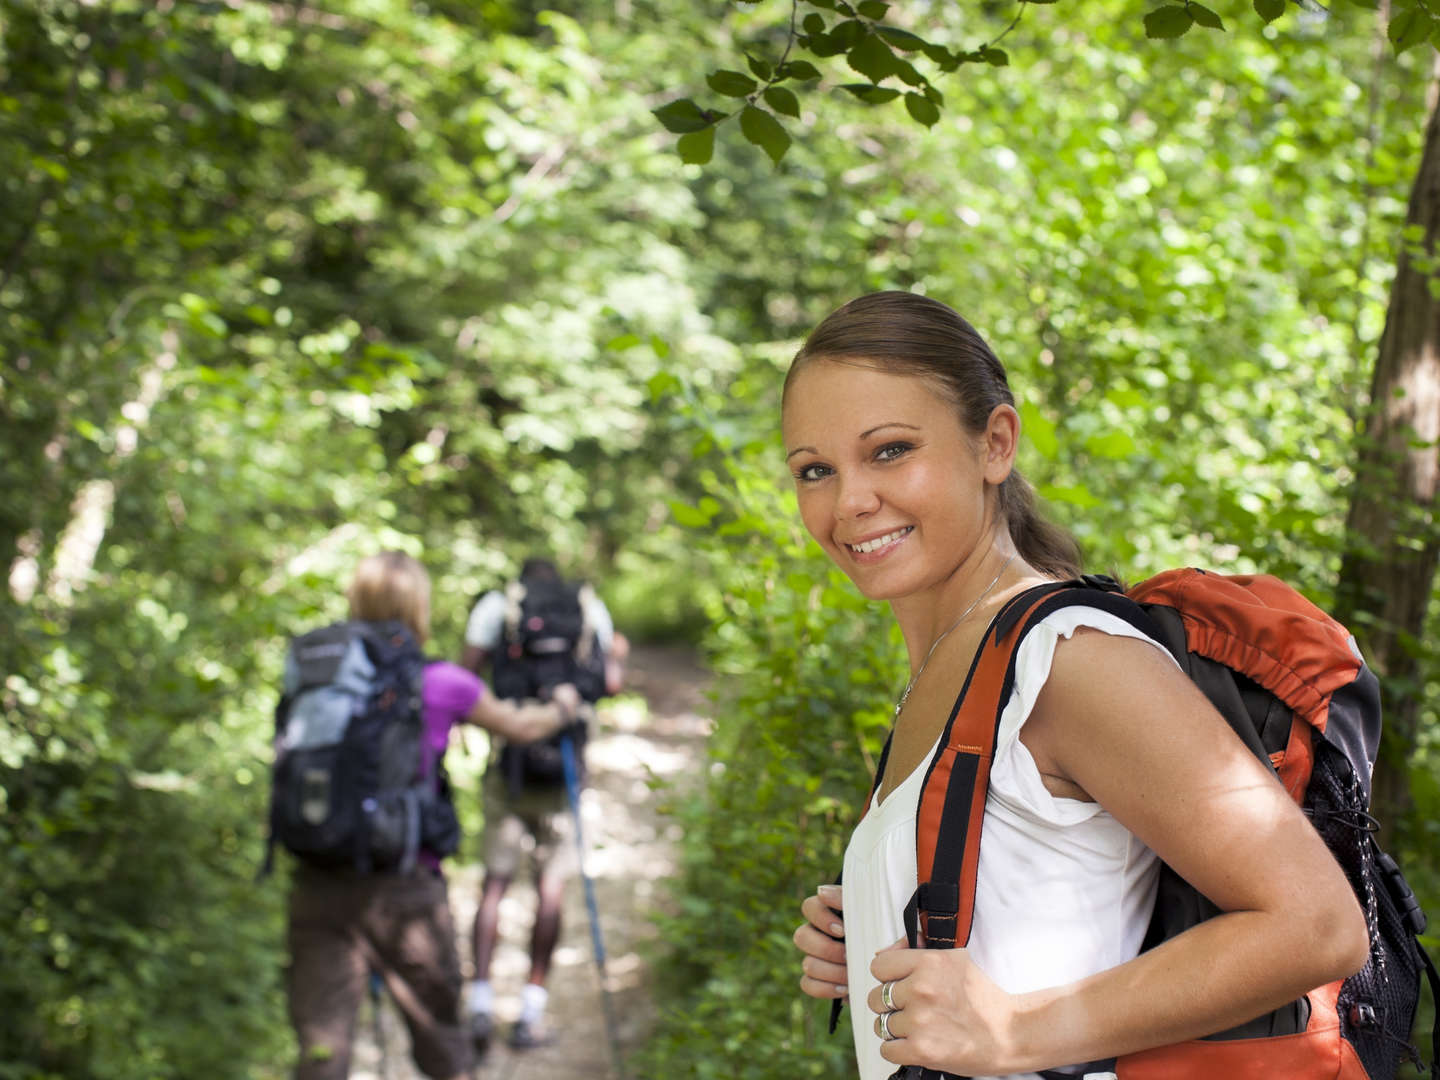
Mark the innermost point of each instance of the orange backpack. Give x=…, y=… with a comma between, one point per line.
x=1290, y=681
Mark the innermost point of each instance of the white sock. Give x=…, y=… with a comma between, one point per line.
x=532, y=1002
x=481, y=998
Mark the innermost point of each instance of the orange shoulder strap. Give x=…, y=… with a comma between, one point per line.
x=952, y=799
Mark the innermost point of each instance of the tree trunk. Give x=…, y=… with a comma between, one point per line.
x=1392, y=547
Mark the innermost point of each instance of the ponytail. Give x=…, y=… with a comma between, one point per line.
x=1044, y=545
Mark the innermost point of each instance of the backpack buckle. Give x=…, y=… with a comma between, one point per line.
x=1410, y=910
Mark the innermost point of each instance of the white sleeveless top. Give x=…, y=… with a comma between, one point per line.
x=1063, y=889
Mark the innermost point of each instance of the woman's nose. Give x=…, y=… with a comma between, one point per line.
x=857, y=498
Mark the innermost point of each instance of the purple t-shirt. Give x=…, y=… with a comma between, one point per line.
x=448, y=693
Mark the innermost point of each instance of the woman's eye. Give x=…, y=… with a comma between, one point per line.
x=810, y=473
x=891, y=451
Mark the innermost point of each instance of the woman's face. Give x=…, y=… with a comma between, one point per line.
x=889, y=482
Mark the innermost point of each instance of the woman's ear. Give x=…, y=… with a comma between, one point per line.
x=1000, y=443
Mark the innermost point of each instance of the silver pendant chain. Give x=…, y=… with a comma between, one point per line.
x=905, y=696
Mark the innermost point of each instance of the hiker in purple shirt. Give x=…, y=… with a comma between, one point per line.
x=343, y=924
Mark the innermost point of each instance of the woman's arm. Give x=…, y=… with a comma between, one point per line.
x=1119, y=723
x=530, y=721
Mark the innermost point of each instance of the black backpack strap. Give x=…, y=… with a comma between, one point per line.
x=1434, y=977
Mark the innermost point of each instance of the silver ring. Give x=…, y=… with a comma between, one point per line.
x=887, y=995
x=882, y=1026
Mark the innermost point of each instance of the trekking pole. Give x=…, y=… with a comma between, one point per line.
x=376, y=1002
x=572, y=790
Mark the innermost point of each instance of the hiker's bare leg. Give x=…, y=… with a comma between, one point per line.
x=487, y=923
x=546, y=931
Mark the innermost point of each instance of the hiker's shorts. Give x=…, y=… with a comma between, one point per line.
x=343, y=925
x=537, y=821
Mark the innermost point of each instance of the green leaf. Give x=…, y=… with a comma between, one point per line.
x=1410, y=28
x=764, y=131
x=849, y=33
x=1112, y=444
x=872, y=58
x=682, y=116
x=759, y=68
x=995, y=57
x=731, y=83
x=696, y=147
x=782, y=101
x=1204, y=16
x=662, y=383
x=873, y=9
x=901, y=39
x=623, y=341
x=908, y=73
x=1169, y=21
x=1269, y=10
x=922, y=109
x=813, y=24
x=1073, y=494
x=689, y=516
x=871, y=95
x=799, y=69
x=1039, y=430
x=825, y=45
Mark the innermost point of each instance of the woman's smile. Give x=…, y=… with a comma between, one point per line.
x=876, y=548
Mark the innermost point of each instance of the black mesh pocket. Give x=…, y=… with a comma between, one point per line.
x=1377, y=1004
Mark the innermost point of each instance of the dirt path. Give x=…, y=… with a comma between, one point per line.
x=629, y=853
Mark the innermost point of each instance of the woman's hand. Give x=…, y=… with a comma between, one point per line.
x=568, y=699
x=943, y=1012
x=822, y=939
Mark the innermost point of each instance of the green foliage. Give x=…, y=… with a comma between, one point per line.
x=876, y=49
x=276, y=291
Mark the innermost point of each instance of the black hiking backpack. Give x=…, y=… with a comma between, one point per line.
x=352, y=785
x=546, y=640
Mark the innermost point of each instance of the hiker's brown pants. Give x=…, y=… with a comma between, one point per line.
x=343, y=925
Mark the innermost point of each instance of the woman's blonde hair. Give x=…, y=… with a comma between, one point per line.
x=391, y=585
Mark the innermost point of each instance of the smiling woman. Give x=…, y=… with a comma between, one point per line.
x=901, y=434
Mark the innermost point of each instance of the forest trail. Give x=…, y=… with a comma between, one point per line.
x=630, y=852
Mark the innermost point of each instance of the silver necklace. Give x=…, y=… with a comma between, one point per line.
x=905, y=695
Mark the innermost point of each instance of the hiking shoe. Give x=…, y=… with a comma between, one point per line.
x=482, y=1027
x=527, y=1036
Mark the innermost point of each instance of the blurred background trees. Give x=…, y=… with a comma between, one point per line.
x=281, y=283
